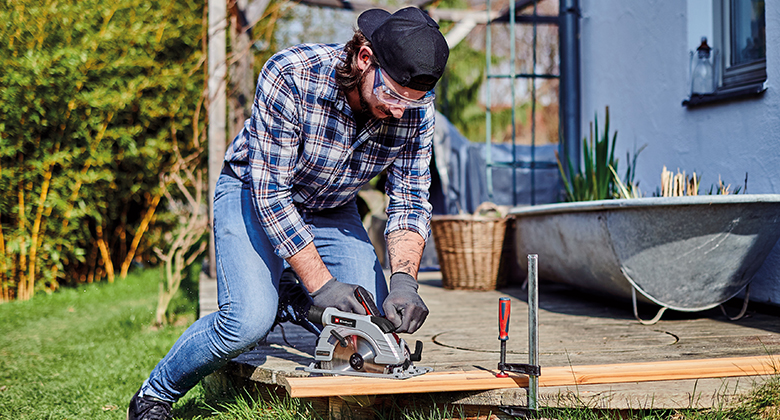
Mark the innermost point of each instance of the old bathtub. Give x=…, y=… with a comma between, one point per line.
x=682, y=253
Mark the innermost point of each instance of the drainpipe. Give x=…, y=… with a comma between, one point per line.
x=569, y=36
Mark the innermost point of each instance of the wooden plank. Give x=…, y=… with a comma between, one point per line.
x=479, y=380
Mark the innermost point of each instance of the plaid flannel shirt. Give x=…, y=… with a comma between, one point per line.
x=301, y=150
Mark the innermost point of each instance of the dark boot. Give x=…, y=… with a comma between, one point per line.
x=148, y=408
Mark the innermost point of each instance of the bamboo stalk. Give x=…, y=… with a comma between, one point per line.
x=139, y=233
x=92, y=264
x=36, y=229
x=48, y=210
x=5, y=296
x=693, y=185
x=665, y=174
x=22, y=282
x=679, y=186
x=3, y=278
x=120, y=233
x=79, y=182
x=101, y=243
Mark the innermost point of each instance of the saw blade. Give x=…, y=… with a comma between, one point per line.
x=357, y=356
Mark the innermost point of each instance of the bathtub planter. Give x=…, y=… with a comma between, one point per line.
x=683, y=253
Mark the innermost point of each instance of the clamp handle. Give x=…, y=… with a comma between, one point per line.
x=504, y=308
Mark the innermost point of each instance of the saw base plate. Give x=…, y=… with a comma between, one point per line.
x=397, y=373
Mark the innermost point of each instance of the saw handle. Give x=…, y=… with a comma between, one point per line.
x=315, y=315
x=364, y=298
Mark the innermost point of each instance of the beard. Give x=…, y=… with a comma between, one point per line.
x=365, y=108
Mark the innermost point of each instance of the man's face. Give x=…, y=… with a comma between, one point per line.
x=382, y=97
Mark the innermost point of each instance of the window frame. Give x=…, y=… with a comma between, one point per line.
x=740, y=75
x=733, y=82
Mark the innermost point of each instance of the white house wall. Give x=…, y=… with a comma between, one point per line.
x=634, y=59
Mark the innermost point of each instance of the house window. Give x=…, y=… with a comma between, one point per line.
x=737, y=30
x=744, y=43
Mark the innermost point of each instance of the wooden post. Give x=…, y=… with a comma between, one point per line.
x=241, y=87
x=217, y=108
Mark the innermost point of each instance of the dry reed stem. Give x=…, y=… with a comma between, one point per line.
x=678, y=185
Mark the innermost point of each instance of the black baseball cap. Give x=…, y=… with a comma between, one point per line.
x=408, y=45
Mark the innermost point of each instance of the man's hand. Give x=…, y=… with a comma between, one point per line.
x=335, y=294
x=403, y=306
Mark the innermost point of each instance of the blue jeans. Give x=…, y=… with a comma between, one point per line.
x=248, y=274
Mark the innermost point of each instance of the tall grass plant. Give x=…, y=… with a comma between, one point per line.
x=597, y=178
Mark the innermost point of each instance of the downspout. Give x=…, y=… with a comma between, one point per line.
x=569, y=36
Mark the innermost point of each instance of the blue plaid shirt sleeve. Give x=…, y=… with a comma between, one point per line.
x=408, y=181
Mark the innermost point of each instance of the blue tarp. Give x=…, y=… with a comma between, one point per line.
x=460, y=174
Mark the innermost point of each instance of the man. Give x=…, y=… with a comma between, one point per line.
x=326, y=119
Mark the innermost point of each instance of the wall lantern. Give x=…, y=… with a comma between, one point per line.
x=703, y=66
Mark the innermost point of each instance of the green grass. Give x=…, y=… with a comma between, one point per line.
x=82, y=353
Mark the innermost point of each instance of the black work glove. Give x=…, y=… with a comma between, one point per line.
x=335, y=294
x=403, y=306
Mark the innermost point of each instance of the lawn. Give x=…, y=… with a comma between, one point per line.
x=82, y=353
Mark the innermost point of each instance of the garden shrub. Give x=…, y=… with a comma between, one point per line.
x=93, y=95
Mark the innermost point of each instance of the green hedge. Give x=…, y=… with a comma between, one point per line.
x=93, y=96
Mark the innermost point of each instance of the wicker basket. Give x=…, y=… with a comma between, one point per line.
x=469, y=248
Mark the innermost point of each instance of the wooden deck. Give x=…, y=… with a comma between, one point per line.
x=575, y=329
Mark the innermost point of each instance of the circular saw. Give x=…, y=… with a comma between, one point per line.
x=362, y=345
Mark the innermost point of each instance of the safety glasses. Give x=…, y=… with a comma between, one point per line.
x=390, y=97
